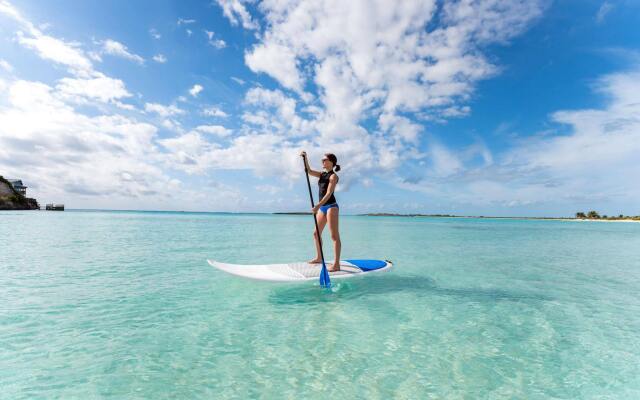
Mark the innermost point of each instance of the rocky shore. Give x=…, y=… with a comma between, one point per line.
x=12, y=200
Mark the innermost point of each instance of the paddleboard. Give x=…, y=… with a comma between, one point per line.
x=302, y=271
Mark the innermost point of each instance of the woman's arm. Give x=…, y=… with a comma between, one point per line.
x=306, y=163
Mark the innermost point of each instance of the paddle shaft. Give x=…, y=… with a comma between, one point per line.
x=315, y=220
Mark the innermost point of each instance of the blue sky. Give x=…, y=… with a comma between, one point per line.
x=469, y=107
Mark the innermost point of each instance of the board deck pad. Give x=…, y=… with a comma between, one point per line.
x=302, y=271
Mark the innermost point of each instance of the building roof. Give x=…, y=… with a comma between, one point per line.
x=16, y=183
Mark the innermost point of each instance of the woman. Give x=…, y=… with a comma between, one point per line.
x=327, y=206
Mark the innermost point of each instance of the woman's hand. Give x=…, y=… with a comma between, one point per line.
x=315, y=209
x=303, y=154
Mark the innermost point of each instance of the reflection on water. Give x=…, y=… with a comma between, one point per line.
x=388, y=284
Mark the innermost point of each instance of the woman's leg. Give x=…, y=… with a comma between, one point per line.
x=322, y=221
x=332, y=216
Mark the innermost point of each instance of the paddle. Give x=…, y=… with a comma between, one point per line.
x=325, y=281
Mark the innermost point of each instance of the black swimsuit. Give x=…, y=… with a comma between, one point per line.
x=323, y=185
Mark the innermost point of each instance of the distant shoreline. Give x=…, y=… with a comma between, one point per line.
x=601, y=219
x=609, y=219
x=616, y=219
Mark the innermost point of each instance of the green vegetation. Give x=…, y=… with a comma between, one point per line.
x=14, y=200
x=595, y=216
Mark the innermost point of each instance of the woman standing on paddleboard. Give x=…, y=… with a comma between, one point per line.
x=327, y=205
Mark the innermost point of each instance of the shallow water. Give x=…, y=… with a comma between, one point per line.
x=124, y=305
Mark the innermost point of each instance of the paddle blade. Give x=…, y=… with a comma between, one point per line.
x=325, y=281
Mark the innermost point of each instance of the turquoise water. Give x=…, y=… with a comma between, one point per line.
x=124, y=305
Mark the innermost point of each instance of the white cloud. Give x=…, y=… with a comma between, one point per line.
x=99, y=87
x=217, y=43
x=269, y=189
x=9, y=10
x=594, y=165
x=183, y=21
x=6, y=66
x=194, y=154
x=154, y=33
x=236, y=12
x=118, y=49
x=279, y=62
x=195, y=90
x=159, y=58
x=172, y=125
x=275, y=112
x=392, y=62
x=58, y=51
x=602, y=150
x=47, y=47
x=189, y=32
x=604, y=9
x=400, y=127
x=214, y=112
x=216, y=130
x=162, y=110
x=238, y=80
x=72, y=156
x=97, y=159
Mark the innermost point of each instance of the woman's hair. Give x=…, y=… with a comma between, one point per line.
x=334, y=161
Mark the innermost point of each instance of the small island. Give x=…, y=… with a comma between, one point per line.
x=595, y=216
x=12, y=196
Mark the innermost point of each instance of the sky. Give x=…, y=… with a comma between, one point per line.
x=470, y=107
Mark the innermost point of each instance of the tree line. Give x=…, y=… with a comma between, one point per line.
x=596, y=215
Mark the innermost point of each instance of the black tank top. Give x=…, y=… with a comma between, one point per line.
x=323, y=184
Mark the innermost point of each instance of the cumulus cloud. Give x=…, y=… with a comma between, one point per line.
x=273, y=111
x=237, y=13
x=159, y=58
x=53, y=49
x=398, y=64
x=216, y=130
x=195, y=90
x=594, y=164
x=380, y=57
x=47, y=47
x=214, y=112
x=69, y=153
x=155, y=34
x=99, y=87
x=90, y=158
x=215, y=42
x=162, y=110
x=6, y=66
x=218, y=43
x=118, y=49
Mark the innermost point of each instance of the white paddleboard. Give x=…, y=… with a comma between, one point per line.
x=302, y=271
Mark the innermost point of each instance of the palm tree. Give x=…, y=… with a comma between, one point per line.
x=580, y=215
x=593, y=215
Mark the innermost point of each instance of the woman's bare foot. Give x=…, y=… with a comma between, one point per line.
x=334, y=268
x=314, y=261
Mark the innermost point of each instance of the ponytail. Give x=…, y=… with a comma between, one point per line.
x=337, y=168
